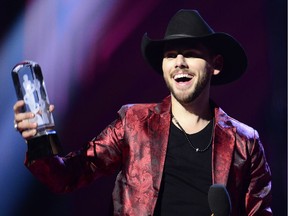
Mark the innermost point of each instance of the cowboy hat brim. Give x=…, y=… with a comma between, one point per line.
x=235, y=59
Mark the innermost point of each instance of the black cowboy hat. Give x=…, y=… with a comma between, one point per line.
x=187, y=26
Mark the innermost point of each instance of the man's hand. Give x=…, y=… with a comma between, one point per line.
x=27, y=128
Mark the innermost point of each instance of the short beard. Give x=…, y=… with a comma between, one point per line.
x=199, y=88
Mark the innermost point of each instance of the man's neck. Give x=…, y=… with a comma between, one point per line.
x=193, y=116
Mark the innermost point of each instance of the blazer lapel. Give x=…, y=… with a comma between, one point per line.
x=223, y=144
x=223, y=147
x=159, y=126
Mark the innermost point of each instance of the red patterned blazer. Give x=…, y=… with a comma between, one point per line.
x=136, y=144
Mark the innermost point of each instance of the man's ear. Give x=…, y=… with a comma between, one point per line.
x=218, y=62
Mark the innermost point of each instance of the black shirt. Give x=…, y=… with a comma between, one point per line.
x=187, y=174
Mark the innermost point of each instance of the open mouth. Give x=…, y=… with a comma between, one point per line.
x=180, y=78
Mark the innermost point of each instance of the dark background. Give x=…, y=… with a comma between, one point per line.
x=117, y=77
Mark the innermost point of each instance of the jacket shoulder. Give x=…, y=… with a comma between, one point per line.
x=145, y=109
x=243, y=130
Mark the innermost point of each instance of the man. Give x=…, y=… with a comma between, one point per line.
x=169, y=154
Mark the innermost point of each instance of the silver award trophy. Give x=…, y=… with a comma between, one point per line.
x=30, y=87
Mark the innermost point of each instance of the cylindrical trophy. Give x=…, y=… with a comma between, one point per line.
x=30, y=87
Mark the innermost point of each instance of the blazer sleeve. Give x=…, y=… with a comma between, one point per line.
x=258, y=196
x=101, y=156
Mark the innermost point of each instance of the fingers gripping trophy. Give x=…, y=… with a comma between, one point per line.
x=30, y=87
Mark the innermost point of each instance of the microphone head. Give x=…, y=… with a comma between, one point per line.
x=219, y=200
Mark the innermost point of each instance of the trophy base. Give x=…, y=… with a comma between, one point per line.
x=44, y=145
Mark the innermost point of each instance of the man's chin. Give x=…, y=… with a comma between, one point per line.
x=184, y=99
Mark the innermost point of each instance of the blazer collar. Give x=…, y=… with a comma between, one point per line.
x=223, y=138
x=223, y=147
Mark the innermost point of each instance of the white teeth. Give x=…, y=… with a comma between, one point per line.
x=179, y=76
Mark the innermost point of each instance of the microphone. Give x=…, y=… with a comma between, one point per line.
x=219, y=200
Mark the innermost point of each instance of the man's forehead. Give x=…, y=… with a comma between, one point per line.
x=183, y=45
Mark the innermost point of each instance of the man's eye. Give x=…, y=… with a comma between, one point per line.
x=189, y=54
x=170, y=55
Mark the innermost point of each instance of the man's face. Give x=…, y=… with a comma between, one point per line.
x=187, y=70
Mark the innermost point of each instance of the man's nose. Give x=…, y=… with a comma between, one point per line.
x=181, y=61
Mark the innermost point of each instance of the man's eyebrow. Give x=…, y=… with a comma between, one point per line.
x=196, y=50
